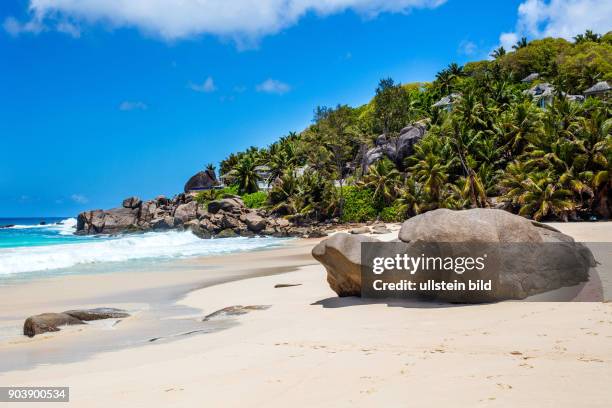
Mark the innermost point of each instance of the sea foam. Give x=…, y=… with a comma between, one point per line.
x=152, y=245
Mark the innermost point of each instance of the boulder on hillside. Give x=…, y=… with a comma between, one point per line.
x=48, y=322
x=341, y=257
x=397, y=148
x=203, y=180
x=132, y=202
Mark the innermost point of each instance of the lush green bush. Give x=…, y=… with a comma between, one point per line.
x=394, y=213
x=205, y=196
x=255, y=200
x=358, y=204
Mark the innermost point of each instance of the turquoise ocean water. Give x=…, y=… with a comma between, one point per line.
x=29, y=250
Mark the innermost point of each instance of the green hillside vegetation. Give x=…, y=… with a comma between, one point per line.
x=494, y=148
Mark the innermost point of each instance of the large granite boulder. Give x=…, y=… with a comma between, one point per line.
x=397, y=148
x=112, y=221
x=202, y=180
x=230, y=204
x=254, y=222
x=341, y=256
x=523, y=258
x=186, y=212
x=48, y=322
x=475, y=225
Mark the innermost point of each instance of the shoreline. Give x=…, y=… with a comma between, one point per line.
x=352, y=351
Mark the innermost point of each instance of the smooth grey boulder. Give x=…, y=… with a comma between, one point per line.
x=522, y=258
x=48, y=322
x=360, y=230
x=341, y=256
x=475, y=225
x=380, y=229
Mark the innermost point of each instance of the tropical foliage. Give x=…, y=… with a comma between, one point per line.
x=494, y=146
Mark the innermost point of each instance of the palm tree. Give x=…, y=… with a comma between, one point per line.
x=498, y=52
x=522, y=43
x=245, y=175
x=384, y=180
x=543, y=197
x=432, y=174
x=587, y=36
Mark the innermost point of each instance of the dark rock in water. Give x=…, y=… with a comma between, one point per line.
x=164, y=223
x=7, y=226
x=197, y=230
x=227, y=233
x=48, y=322
x=112, y=221
x=341, y=256
x=132, y=202
x=98, y=313
x=234, y=311
x=202, y=180
x=42, y=223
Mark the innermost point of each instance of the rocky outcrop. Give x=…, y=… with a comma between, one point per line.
x=51, y=322
x=132, y=202
x=397, y=148
x=525, y=258
x=224, y=218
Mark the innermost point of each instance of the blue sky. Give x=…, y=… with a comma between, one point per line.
x=99, y=102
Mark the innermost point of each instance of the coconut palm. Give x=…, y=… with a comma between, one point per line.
x=543, y=197
x=498, y=52
x=245, y=175
x=522, y=43
x=383, y=179
x=432, y=174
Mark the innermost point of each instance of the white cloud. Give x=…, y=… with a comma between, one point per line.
x=15, y=28
x=559, y=18
x=273, y=86
x=207, y=86
x=507, y=40
x=132, y=105
x=467, y=47
x=79, y=198
x=243, y=20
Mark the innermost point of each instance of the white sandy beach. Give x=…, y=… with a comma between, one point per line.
x=310, y=348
